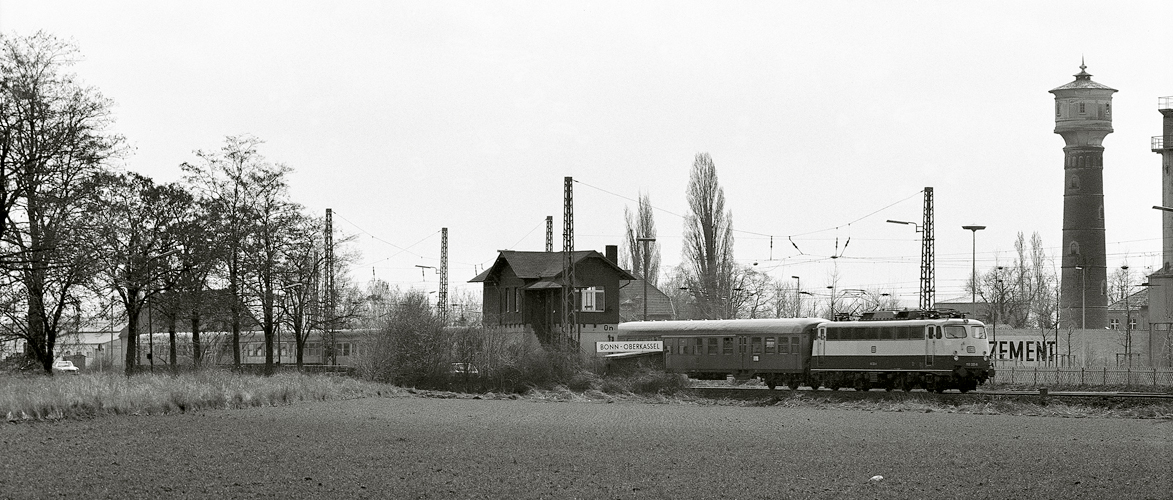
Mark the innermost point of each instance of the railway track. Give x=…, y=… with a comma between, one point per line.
x=1093, y=398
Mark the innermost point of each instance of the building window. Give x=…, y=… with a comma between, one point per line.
x=1083, y=108
x=517, y=300
x=1114, y=324
x=510, y=299
x=1132, y=324
x=593, y=299
x=1056, y=109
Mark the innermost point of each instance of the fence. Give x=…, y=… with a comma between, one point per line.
x=1051, y=377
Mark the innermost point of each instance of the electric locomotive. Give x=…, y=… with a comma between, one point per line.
x=928, y=349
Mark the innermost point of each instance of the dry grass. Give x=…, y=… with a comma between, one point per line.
x=92, y=395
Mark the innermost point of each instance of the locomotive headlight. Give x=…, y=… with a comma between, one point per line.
x=954, y=355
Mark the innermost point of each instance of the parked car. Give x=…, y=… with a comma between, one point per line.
x=64, y=366
x=466, y=369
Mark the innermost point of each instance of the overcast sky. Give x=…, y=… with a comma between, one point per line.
x=824, y=119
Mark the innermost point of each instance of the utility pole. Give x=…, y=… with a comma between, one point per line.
x=645, y=241
x=442, y=295
x=329, y=282
x=549, y=233
x=569, y=318
x=928, y=278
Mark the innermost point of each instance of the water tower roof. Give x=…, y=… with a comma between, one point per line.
x=1083, y=80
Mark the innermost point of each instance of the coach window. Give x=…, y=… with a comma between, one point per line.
x=756, y=345
x=954, y=332
x=783, y=345
x=727, y=345
x=771, y=347
x=794, y=345
x=712, y=346
x=700, y=346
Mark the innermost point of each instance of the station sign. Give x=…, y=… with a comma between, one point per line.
x=633, y=346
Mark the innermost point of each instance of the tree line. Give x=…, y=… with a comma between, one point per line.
x=224, y=247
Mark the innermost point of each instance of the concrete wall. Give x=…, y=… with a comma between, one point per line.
x=1081, y=348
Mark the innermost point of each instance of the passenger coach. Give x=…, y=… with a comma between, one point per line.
x=774, y=350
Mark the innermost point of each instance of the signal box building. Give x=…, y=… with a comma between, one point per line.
x=523, y=295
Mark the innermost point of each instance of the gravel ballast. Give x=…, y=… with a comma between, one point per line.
x=415, y=447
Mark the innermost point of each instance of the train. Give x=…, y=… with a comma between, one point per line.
x=904, y=350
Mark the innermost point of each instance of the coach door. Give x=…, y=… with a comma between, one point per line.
x=930, y=344
x=820, y=346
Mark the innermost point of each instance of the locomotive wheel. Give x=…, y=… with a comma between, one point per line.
x=906, y=384
x=770, y=382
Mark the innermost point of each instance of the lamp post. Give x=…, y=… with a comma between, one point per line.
x=973, y=277
x=832, y=289
x=1083, y=299
x=926, y=284
x=1125, y=289
x=645, y=241
x=797, y=296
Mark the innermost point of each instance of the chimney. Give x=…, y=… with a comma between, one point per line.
x=613, y=254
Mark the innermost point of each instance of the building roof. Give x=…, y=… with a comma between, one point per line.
x=631, y=304
x=1083, y=80
x=1136, y=300
x=542, y=265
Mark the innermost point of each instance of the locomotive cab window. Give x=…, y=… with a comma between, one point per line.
x=979, y=332
x=954, y=332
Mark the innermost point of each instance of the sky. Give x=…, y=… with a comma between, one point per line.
x=824, y=119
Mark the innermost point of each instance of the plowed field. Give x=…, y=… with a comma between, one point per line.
x=413, y=447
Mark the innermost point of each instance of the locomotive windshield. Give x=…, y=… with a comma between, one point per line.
x=979, y=332
x=954, y=332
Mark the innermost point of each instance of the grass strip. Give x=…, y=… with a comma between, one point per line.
x=94, y=395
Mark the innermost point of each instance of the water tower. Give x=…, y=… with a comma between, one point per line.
x=1083, y=117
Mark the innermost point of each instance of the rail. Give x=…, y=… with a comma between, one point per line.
x=1165, y=102
x=1158, y=143
x=1051, y=377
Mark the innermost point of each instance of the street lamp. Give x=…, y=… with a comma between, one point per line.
x=797, y=296
x=973, y=277
x=1083, y=299
x=832, y=289
x=645, y=241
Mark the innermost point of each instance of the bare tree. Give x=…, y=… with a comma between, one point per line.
x=135, y=223
x=708, y=241
x=225, y=180
x=52, y=145
x=301, y=297
x=273, y=219
x=641, y=225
